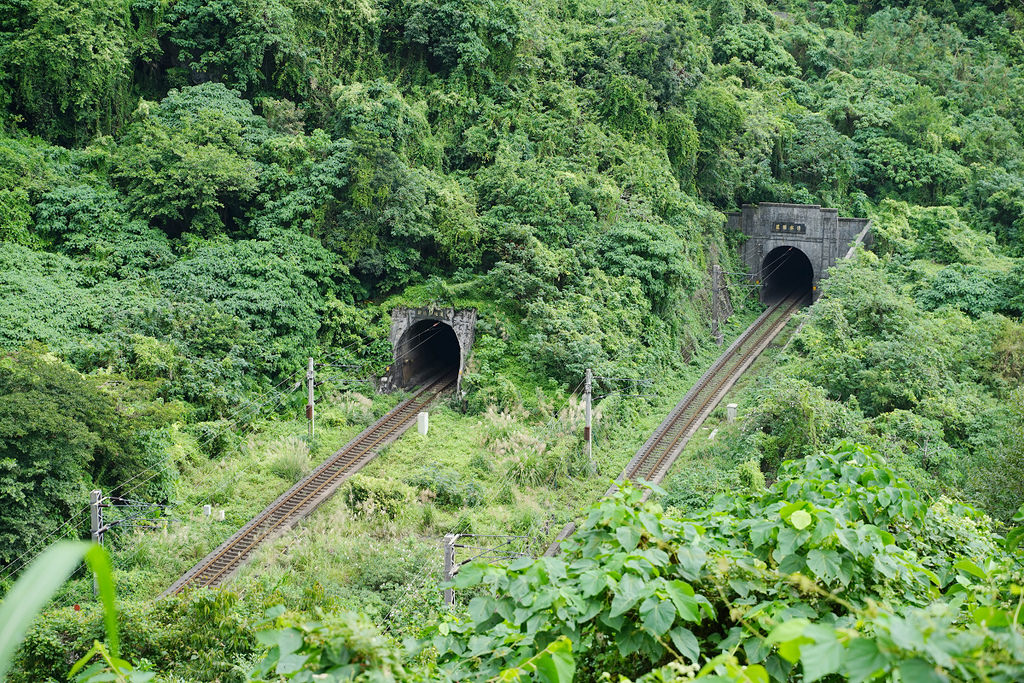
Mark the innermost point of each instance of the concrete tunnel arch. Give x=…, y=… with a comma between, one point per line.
x=785, y=269
x=429, y=347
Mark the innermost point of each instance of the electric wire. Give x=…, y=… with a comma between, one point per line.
x=236, y=414
x=22, y=560
x=245, y=430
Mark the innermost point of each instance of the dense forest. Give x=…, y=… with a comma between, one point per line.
x=196, y=197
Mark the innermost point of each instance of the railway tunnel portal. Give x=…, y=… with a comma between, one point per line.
x=792, y=246
x=785, y=271
x=426, y=342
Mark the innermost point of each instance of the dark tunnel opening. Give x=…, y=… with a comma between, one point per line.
x=785, y=271
x=427, y=349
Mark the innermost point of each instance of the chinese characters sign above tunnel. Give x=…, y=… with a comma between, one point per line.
x=790, y=228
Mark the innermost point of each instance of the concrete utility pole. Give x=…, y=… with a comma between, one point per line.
x=96, y=527
x=587, y=437
x=449, y=566
x=716, y=314
x=310, y=375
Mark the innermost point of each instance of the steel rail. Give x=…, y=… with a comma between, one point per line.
x=306, y=495
x=658, y=453
x=710, y=386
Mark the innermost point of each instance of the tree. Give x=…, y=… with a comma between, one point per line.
x=59, y=433
x=240, y=43
x=67, y=65
x=189, y=164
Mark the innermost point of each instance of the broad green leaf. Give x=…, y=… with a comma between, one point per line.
x=685, y=642
x=863, y=660
x=1014, y=537
x=557, y=664
x=31, y=592
x=820, y=658
x=289, y=640
x=800, y=519
x=691, y=559
x=629, y=641
x=789, y=637
x=990, y=616
x=469, y=575
x=788, y=630
x=787, y=542
x=627, y=593
x=290, y=663
x=479, y=608
x=969, y=567
x=652, y=525
x=787, y=510
x=920, y=671
x=592, y=582
x=824, y=563
x=659, y=618
x=760, y=531
x=628, y=537
x=682, y=596
x=824, y=526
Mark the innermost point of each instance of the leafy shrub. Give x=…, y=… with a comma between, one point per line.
x=789, y=418
x=199, y=636
x=231, y=41
x=387, y=569
x=814, y=564
x=343, y=642
x=370, y=496
x=449, y=488
x=695, y=486
x=68, y=66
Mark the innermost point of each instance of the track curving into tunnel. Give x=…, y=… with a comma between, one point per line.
x=652, y=462
x=310, y=492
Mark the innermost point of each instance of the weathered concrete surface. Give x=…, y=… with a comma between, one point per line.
x=403, y=321
x=820, y=233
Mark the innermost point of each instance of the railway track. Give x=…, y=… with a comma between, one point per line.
x=305, y=496
x=653, y=460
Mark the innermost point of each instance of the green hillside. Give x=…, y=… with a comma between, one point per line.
x=196, y=197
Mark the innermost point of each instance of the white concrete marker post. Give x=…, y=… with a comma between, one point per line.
x=423, y=423
x=730, y=411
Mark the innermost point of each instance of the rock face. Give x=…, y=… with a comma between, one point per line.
x=426, y=341
x=772, y=230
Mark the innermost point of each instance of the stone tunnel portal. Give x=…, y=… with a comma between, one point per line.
x=785, y=270
x=428, y=348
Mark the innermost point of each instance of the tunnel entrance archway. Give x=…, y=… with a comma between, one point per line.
x=785, y=270
x=428, y=348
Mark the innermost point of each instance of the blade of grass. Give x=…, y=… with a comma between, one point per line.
x=32, y=592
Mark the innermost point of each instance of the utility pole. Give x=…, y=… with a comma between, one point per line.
x=310, y=375
x=96, y=527
x=449, y=567
x=587, y=437
x=95, y=496
x=716, y=323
